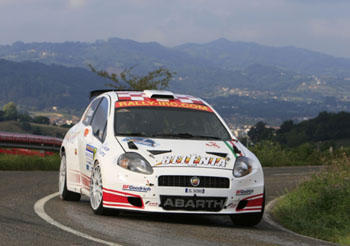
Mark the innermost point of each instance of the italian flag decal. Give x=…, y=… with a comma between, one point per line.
x=235, y=151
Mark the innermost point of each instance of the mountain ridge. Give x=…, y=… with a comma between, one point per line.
x=221, y=68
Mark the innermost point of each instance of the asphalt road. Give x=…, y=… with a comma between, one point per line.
x=20, y=225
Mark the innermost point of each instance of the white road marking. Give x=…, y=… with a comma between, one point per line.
x=39, y=209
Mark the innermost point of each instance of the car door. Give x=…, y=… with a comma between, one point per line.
x=86, y=123
x=94, y=137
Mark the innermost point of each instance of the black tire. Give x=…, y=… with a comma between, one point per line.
x=96, y=192
x=65, y=194
x=248, y=219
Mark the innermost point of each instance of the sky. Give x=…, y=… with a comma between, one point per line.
x=319, y=25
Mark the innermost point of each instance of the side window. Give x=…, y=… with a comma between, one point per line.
x=99, y=122
x=90, y=112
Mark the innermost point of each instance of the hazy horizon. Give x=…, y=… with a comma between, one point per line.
x=317, y=25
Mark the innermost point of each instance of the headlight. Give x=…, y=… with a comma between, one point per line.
x=242, y=167
x=135, y=162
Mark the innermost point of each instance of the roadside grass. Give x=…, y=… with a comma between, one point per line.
x=29, y=163
x=320, y=207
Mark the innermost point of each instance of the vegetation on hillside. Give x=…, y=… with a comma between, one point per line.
x=326, y=127
x=320, y=206
x=306, y=143
x=12, y=120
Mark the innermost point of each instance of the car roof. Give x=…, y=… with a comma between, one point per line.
x=118, y=95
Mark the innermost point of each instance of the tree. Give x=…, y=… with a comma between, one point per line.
x=41, y=120
x=24, y=117
x=260, y=132
x=126, y=80
x=286, y=127
x=10, y=111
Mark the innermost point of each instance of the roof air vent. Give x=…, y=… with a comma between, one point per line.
x=159, y=94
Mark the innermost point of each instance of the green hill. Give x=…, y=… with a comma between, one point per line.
x=35, y=85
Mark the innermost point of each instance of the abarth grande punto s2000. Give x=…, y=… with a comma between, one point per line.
x=156, y=151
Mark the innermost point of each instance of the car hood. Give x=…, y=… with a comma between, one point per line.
x=184, y=152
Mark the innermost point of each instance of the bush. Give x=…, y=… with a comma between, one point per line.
x=273, y=154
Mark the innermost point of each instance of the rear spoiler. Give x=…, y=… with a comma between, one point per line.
x=96, y=93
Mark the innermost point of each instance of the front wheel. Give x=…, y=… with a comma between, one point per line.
x=65, y=194
x=248, y=219
x=96, y=191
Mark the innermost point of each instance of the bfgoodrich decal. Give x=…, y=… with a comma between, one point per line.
x=244, y=192
x=136, y=188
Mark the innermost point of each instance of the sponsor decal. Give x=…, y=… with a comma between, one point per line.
x=193, y=160
x=90, y=156
x=154, y=103
x=103, y=150
x=91, y=149
x=142, y=141
x=71, y=136
x=194, y=191
x=244, y=192
x=100, y=152
x=151, y=204
x=212, y=144
x=233, y=148
x=136, y=188
x=149, y=184
x=193, y=203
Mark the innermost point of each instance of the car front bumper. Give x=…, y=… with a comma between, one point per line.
x=134, y=191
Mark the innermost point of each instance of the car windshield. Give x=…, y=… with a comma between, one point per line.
x=166, y=122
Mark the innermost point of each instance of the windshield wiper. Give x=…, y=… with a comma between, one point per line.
x=185, y=135
x=175, y=135
x=134, y=134
x=207, y=137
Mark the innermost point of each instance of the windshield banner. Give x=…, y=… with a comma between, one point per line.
x=154, y=103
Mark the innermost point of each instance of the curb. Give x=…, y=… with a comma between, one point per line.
x=269, y=219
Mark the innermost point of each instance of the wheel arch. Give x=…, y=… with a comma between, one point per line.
x=62, y=151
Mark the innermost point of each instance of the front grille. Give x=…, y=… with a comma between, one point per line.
x=185, y=181
x=192, y=203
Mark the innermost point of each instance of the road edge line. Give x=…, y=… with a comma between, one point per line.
x=40, y=211
x=269, y=220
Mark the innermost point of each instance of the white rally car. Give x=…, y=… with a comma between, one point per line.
x=156, y=151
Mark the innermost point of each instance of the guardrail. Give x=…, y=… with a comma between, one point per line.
x=28, y=141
